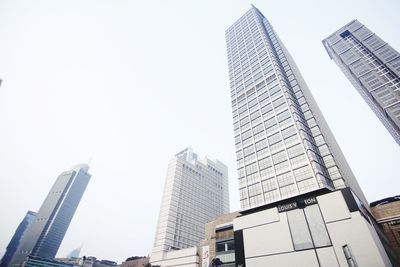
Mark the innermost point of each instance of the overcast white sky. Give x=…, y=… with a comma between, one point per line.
x=130, y=83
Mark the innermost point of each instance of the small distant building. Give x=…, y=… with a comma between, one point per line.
x=74, y=253
x=73, y=261
x=87, y=261
x=387, y=214
x=104, y=263
x=135, y=262
x=32, y=261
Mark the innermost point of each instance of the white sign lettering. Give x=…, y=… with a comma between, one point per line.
x=205, y=256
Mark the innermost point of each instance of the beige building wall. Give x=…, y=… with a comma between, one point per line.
x=211, y=234
x=187, y=257
x=140, y=262
x=387, y=216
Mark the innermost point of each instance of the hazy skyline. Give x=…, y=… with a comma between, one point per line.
x=129, y=84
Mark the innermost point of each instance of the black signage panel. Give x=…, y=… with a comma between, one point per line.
x=239, y=249
x=309, y=201
x=300, y=203
x=288, y=206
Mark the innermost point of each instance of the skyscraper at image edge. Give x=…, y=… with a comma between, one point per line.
x=373, y=67
x=284, y=147
x=44, y=236
x=195, y=192
x=17, y=237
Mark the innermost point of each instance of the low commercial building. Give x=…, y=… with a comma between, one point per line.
x=387, y=214
x=32, y=261
x=320, y=228
x=187, y=257
x=219, y=241
x=135, y=262
x=316, y=229
x=73, y=261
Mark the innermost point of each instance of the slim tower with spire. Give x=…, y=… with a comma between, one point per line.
x=47, y=231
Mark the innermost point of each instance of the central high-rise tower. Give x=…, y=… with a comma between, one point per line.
x=284, y=147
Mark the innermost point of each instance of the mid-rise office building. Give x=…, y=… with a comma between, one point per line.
x=284, y=147
x=195, y=192
x=17, y=237
x=47, y=231
x=300, y=202
x=373, y=67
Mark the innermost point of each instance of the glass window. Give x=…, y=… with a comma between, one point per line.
x=251, y=168
x=317, y=226
x=220, y=247
x=254, y=190
x=349, y=256
x=302, y=173
x=279, y=157
x=269, y=184
x=285, y=179
x=230, y=244
x=299, y=230
x=264, y=163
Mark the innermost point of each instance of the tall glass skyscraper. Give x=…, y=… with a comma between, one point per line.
x=373, y=67
x=17, y=238
x=284, y=147
x=195, y=192
x=46, y=233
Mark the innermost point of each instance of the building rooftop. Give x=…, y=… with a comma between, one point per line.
x=385, y=201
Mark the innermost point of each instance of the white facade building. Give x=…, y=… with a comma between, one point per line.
x=300, y=202
x=195, y=192
x=284, y=147
x=373, y=67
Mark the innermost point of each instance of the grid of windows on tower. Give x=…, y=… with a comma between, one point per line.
x=280, y=149
x=374, y=69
